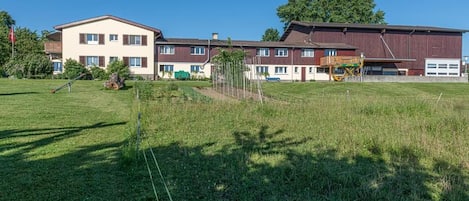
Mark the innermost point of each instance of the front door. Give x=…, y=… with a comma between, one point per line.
x=303, y=74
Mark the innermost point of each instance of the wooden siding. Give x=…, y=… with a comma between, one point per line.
x=402, y=44
x=182, y=54
x=53, y=47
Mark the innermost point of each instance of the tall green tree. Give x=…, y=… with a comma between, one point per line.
x=271, y=34
x=6, y=19
x=27, y=42
x=5, y=46
x=339, y=11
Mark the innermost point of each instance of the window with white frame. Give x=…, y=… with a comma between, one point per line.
x=197, y=50
x=263, y=52
x=92, y=39
x=311, y=70
x=135, y=40
x=307, y=52
x=322, y=70
x=296, y=70
x=453, y=66
x=92, y=61
x=168, y=68
x=195, y=68
x=281, y=52
x=113, y=37
x=135, y=62
x=280, y=70
x=167, y=49
x=57, y=66
x=262, y=69
x=330, y=52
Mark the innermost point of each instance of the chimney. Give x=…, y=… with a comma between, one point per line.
x=215, y=36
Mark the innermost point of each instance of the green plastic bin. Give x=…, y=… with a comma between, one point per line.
x=182, y=75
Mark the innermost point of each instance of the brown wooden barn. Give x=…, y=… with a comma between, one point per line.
x=390, y=49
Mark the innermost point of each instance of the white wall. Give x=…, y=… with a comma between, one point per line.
x=205, y=70
x=291, y=75
x=73, y=49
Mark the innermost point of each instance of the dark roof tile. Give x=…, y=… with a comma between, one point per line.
x=240, y=43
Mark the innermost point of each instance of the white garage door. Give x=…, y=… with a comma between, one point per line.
x=442, y=67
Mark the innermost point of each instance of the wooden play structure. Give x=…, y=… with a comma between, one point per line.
x=341, y=67
x=68, y=84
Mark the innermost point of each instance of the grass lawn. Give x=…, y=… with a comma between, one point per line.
x=63, y=146
x=323, y=141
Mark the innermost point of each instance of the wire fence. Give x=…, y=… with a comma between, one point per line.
x=148, y=164
x=237, y=79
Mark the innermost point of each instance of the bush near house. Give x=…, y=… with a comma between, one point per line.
x=74, y=68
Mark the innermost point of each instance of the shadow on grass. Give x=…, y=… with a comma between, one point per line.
x=17, y=93
x=257, y=166
x=265, y=166
x=34, y=166
x=56, y=130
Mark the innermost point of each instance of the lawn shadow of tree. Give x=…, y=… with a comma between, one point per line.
x=266, y=166
x=18, y=93
x=86, y=172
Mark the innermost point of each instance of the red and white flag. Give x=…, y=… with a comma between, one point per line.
x=11, y=35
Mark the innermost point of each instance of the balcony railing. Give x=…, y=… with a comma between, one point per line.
x=341, y=61
x=53, y=47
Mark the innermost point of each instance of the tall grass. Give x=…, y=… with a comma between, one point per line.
x=323, y=141
x=323, y=145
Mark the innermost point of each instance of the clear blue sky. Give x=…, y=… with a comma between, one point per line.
x=240, y=19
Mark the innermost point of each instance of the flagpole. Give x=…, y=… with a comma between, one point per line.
x=12, y=49
x=12, y=40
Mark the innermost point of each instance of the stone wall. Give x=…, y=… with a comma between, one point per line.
x=423, y=79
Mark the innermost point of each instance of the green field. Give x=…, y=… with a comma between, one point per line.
x=321, y=141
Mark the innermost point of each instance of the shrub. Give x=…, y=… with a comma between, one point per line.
x=98, y=73
x=118, y=67
x=29, y=66
x=73, y=69
x=172, y=86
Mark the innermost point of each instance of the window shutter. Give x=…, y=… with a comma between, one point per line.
x=82, y=38
x=125, y=39
x=101, y=39
x=144, y=40
x=101, y=61
x=144, y=62
x=126, y=61
x=82, y=60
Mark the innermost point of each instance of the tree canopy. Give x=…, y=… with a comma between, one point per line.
x=29, y=59
x=6, y=20
x=339, y=11
x=271, y=34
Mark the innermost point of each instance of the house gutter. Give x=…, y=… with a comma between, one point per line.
x=408, y=42
x=208, y=55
